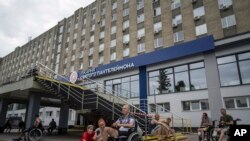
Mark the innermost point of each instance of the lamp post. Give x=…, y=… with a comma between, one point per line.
x=156, y=109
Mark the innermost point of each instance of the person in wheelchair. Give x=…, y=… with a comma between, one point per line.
x=125, y=124
x=37, y=124
x=205, y=124
x=224, y=123
x=103, y=133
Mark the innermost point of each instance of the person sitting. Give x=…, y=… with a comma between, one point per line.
x=37, y=124
x=8, y=126
x=89, y=135
x=105, y=132
x=155, y=123
x=125, y=124
x=224, y=123
x=52, y=126
x=205, y=123
x=21, y=126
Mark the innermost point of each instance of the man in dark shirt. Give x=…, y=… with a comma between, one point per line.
x=225, y=121
x=52, y=126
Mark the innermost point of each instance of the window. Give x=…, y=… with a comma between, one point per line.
x=113, y=17
x=126, y=38
x=197, y=76
x=140, y=18
x=160, y=107
x=92, y=27
x=201, y=29
x=181, y=78
x=158, y=26
x=114, y=5
x=73, y=58
x=178, y=36
x=157, y=11
x=158, y=42
x=141, y=33
x=91, y=50
x=228, y=21
x=125, y=1
x=90, y=62
x=101, y=47
x=195, y=105
x=141, y=47
x=61, y=29
x=101, y=60
x=126, y=24
x=177, y=19
x=224, y=3
x=113, y=56
x=92, y=38
x=125, y=12
x=101, y=35
x=74, y=46
x=237, y=102
x=113, y=43
x=81, y=54
x=83, y=31
x=49, y=113
x=228, y=71
x=244, y=65
x=102, y=23
x=93, y=17
x=140, y=4
x=76, y=25
x=126, y=52
x=198, y=12
x=175, y=4
x=113, y=29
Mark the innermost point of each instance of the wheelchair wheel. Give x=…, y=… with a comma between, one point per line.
x=212, y=138
x=35, y=134
x=133, y=137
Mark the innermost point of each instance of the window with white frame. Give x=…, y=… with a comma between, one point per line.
x=91, y=50
x=177, y=19
x=113, y=29
x=67, y=40
x=73, y=58
x=175, y=4
x=178, y=36
x=75, y=35
x=114, y=5
x=224, y=3
x=101, y=59
x=125, y=12
x=195, y=105
x=126, y=24
x=101, y=47
x=113, y=17
x=158, y=42
x=103, y=11
x=102, y=23
x=237, y=102
x=90, y=62
x=76, y=25
x=83, y=31
x=113, y=43
x=141, y=33
x=84, y=21
x=157, y=11
x=198, y=12
x=81, y=66
x=141, y=47
x=81, y=54
x=228, y=21
x=74, y=46
x=93, y=17
x=158, y=26
x=101, y=35
x=83, y=43
x=140, y=18
x=140, y=4
x=92, y=38
x=201, y=29
x=92, y=27
x=126, y=38
x=61, y=29
x=125, y=52
x=49, y=113
x=125, y=1
x=113, y=56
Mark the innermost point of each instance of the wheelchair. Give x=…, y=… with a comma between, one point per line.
x=35, y=134
x=216, y=138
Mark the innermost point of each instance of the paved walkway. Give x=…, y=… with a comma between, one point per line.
x=71, y=136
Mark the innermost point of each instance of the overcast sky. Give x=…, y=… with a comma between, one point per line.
x=23, y=18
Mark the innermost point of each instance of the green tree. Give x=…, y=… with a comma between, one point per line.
x=164, y=81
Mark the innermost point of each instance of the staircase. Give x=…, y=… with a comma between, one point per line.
x=99, y=100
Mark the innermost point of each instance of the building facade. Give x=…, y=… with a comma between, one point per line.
x=108, y=32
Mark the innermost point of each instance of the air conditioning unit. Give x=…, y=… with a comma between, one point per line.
x=174, y=25
x=123, y=30
x=126, y=42
x=224, y=6
x=194, y=1
x=157, y=31
x=196, y=18
x=139, y=37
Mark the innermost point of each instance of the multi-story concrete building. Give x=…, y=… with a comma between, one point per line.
x=108, y=33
